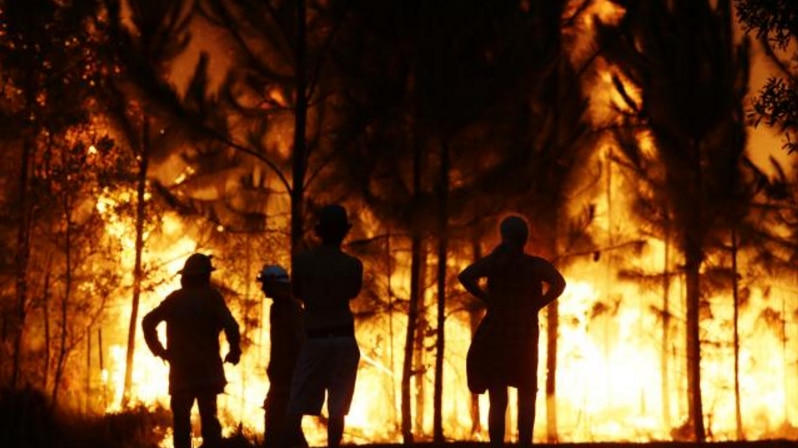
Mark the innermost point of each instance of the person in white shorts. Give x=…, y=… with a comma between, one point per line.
x=326, y=279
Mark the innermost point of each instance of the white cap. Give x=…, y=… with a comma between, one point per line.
x=273, y=273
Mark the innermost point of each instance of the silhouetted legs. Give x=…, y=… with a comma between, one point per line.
x=335, y=431
x=526, y=414
x=181, y=403
x=275, y=418
x=497, y=410
x=497, y=396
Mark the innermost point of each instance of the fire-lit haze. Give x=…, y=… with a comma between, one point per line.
x=621, y=359
x=618, y=379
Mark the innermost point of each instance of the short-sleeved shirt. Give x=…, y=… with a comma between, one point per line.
x=194, y=318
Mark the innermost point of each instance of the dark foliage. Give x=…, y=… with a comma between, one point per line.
x=775, y=24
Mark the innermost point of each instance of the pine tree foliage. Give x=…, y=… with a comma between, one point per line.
x=775, y=25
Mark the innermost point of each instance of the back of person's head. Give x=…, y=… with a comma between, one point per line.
x=514, y=231
x=274, y=281
x=196, y=270
x=333, y=224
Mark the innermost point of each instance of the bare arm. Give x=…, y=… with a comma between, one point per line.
x=470, y=276
x=554, y=281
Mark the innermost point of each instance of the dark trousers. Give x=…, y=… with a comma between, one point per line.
x=181, y=403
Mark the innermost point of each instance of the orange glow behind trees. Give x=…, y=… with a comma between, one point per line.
x=578, y=124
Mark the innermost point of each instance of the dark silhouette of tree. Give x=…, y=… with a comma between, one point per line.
x=138, y=56
x=775, y=25
x=48, y=58
x=461, y=133
x=693, y=78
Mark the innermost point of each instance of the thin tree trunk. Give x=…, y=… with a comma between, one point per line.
x=694, y=349
x=62, y=351
x=736, y=297
x=102, y=364
x=693, y=261
x=552, y=322
x=138, y=276
x=416, y=294
x=22, y=256
x=666, y=324
x=46, y=317
x=443, y=217
x=420, y=349
x=300, y=153
x=88, y=371
x=412, y=322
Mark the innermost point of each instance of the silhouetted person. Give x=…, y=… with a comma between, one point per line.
x=195, y=314
x=504, y=351
x=325, y=279
x=286, y=336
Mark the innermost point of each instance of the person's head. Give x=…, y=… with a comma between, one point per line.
x=333, y=224
x=196, y=270
x=514, y=231
x=274, y=282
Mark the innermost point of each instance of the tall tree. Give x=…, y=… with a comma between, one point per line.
x=692, y=77
x=47, y=53
x=143, y=40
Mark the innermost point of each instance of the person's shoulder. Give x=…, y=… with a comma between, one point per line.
x=541, y=263
x=352, y=261
x=174, y=296
x=352, y=258
x=304, y=257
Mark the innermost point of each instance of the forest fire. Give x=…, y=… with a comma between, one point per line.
x=613, y=361
x=138, y=134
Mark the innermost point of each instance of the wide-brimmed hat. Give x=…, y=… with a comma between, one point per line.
x=197, y=264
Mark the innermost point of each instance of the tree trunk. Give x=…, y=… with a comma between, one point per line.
x=693, y=260
x=666, y=324
x=22, y=256
x=141, y=189
x=552, y=322
x=419, y=349
x=412, y=326
x=416, y=291
x=736, y=297
x=443, y=217
x=46, y=317
x=63, y=349
x=300, y=153
x=693, y=343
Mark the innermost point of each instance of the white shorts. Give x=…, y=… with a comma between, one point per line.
x=325, y=364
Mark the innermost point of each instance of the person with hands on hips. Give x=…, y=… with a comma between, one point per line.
x=194, y=315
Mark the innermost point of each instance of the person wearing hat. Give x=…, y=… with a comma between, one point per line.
x=504, y=350
x=325, y=280
x=286, y=336
x=194, y=315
